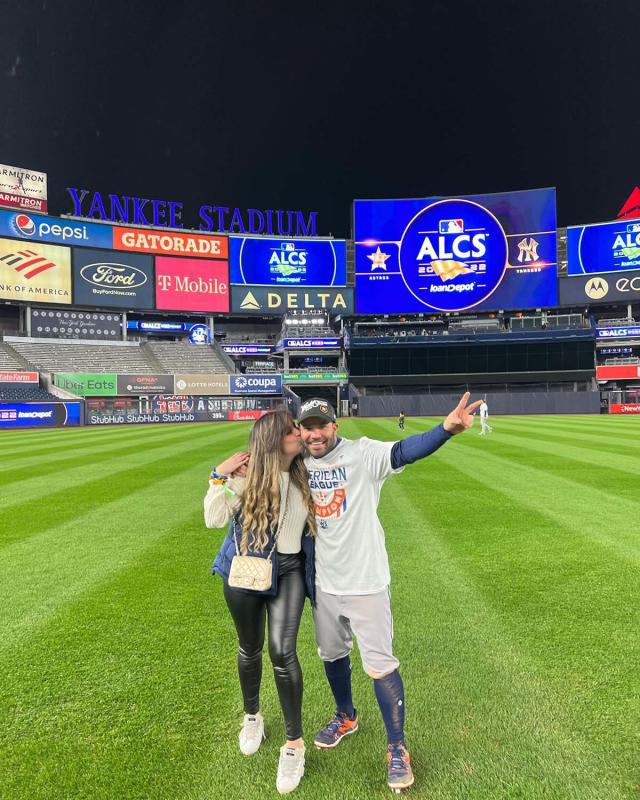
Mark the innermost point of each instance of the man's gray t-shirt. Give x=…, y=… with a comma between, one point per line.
x=345, y=484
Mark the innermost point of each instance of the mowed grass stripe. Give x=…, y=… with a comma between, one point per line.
x=128, y=687
x=101, y=536
x=89, y=489
x=36, y=466
x=553, y=465
x=83, y=438
x=562, y=500
x=92, y=444
x=493, y=719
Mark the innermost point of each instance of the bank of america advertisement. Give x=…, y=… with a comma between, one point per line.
x=34, y=272
x=287, y=262
x=483, y=252
x=608, y=247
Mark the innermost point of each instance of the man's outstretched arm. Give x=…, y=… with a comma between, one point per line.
x=413, y=448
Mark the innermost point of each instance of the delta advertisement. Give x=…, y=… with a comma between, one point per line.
x=606, y=247
x=486, y=252
x=287, y=262
x=35, y=273
x=108, y=278
x=53, y=230
x=40, y=415
x=176, y=408
x=276, y=301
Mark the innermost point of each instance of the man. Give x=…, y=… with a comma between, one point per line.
x=352, y=569
x=401, y=416
x=484, y=416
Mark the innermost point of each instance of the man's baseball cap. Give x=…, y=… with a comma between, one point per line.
x=317, y=408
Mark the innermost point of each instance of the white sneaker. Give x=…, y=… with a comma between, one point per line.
x=290, y=768
x=251, y=733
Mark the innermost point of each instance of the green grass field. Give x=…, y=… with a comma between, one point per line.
x=516, y=594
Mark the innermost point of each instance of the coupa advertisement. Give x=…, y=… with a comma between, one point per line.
x=483, y=252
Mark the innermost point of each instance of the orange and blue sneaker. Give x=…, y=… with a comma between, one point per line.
x=335, y=731
x=399, y=772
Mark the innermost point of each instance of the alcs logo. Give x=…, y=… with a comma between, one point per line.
x=453, y=255
x=287, y=260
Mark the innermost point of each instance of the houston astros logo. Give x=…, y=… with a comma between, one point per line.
x=453, y=255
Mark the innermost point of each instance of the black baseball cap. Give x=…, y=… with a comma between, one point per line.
x=317, y=408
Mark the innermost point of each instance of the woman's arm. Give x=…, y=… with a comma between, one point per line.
x=221, y=501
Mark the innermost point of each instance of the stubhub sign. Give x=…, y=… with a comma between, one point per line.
x=255, y=384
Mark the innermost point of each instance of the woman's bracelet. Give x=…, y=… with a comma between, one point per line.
x=216, y=479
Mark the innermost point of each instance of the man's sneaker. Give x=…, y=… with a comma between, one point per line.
x=251, y=734
x=399, y=772
x=335, y=731
x=290, y=768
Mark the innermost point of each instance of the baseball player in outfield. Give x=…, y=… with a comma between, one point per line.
x=484, y=419
x=352, y=568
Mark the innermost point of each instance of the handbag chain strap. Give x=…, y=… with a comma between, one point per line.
x=278, y=526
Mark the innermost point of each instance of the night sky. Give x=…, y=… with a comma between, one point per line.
x=308, y=105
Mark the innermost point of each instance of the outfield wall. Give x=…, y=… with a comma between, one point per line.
x=499, y=403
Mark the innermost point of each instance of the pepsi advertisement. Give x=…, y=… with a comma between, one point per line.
x=438, y=255
x=39, y=415
x=40, y=228
x=609, y=247
x=287, y=262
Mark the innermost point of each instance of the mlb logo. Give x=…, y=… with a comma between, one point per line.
x=634, y=227
x=451, y=226
x=288, y=246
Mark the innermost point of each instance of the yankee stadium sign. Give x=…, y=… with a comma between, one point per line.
x=168, y=214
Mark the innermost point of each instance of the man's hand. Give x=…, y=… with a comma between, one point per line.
x=235, y=466
x=461, y=417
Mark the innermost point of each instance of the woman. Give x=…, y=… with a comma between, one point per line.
x=268, y=491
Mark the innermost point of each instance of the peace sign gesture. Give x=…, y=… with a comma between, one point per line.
x=461, y=417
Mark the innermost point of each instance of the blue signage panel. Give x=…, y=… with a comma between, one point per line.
x=625, y=332
x=247, y=349
x=453, y=254
x=40, y=228
x=609, y=247
x=287, y=262
x=312, y=344
x=39, y=415
x=255, y=384
x=112, y=278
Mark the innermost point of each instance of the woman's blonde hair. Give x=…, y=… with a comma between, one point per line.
x=261, y=498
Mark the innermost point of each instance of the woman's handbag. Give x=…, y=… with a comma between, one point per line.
x=253, y=572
